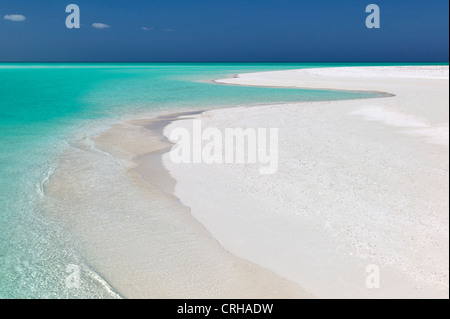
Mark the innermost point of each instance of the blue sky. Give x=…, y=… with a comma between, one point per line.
x=231, y=30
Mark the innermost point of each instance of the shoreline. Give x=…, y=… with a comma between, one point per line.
x=237, y=76
x=145, y=163
x=219, y=274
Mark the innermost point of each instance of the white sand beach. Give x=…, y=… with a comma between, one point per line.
x=360, y=182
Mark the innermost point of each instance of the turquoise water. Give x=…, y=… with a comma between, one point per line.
x=42, y=106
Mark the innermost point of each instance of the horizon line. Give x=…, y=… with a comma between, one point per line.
x=256, y=62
